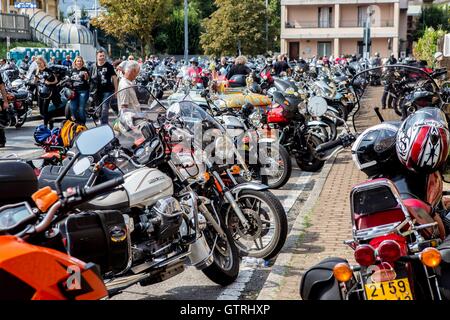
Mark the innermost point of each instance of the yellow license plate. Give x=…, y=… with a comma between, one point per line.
x=390, y=290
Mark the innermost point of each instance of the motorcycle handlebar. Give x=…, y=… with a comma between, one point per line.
x=328, y=145
x=99, y=189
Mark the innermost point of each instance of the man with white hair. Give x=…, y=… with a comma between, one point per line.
x=126, y=95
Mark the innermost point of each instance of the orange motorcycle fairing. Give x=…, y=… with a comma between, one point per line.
x=29, y=272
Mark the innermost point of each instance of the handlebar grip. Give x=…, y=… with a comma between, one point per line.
x=329, y=145
x=106, y=186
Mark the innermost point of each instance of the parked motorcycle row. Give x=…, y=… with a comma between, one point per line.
x=185, y=181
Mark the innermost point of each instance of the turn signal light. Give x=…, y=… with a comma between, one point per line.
x=342, y=272
x=365, y=255
x=389, y=251
x=236, y=170
x=431, y=257
x=206, y=176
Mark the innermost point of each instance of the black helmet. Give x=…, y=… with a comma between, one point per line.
x=255, y=88
x=375, y=148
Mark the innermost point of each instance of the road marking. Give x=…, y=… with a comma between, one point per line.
x=288, y=199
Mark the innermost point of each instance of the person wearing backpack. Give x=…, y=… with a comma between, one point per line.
x=103, y=83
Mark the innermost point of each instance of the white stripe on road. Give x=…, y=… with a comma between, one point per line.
x=234, y=291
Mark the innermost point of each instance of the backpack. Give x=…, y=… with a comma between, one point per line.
x=69, y=131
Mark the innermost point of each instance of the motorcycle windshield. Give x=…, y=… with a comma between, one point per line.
x=128, y=110
x=394, y=91
x=192, y=117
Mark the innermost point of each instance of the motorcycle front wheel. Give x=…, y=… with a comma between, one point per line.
x=279, y=168
x=307, y=161
x=268, y=224
x=225, y=268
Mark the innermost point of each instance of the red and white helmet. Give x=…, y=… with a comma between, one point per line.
x=423, y=141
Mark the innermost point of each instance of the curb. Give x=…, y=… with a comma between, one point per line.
x=275, y=279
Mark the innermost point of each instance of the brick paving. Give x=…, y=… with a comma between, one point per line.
x=328, y=224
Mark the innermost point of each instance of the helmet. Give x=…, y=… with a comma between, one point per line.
x=255, y=88
x=375, y=148
x=41, y=133
x=422, y=141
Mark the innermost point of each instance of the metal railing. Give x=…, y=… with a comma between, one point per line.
x=16, y=26
x=309, y=24
x=361, y=23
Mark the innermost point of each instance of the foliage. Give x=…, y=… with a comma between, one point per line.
x=436, y=16
x=426, y=46
x=132, y=18
x=15, y=44
x=235, y=24
x=274, y=14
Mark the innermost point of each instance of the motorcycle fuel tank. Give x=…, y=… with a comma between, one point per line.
x=143, y=187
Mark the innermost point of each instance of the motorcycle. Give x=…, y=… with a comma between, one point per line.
x=399, y=221
x=156, y=216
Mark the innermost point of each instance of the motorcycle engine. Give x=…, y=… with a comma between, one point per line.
x=156, y=228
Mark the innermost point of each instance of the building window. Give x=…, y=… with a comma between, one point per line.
x=325, y=14
x=324, y=48
x=362, y=16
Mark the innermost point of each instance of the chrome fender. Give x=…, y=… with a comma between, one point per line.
x=317, y=123
x=248, y=185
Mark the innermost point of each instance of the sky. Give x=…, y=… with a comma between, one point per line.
x=66, y=4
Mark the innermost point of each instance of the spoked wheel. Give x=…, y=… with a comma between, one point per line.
x=225, y=268
x=268, y=224
x=277, y=167
x=307, y=161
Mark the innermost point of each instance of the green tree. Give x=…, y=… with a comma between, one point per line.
x=133, y=18
x=435, y=16
x=235, y=24
x=274, y=14
x=426, y=46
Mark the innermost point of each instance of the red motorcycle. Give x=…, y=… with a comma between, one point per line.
x=399, y=219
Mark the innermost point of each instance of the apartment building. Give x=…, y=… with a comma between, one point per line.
x=326, y=27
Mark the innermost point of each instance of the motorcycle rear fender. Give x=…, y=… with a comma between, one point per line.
x=318, y=283
x=248, y=186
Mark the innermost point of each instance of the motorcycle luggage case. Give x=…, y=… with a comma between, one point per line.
x=17, y=182
x=100, y=237
x=318, y=283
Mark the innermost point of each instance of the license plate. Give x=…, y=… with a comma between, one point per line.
x=390, y=290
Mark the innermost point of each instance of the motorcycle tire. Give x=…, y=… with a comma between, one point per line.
x=280, y=225
x=216, y=272
x=287, y=170
x=309, y=162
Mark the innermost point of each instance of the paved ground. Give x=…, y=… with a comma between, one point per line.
x=323, y=227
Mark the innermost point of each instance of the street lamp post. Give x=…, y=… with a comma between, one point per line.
x=186, y=35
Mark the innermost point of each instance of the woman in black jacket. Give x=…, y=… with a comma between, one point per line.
x=239, y=68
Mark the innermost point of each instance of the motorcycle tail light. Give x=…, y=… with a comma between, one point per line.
x=365, y=255
x=17, y=104
x=389, y=251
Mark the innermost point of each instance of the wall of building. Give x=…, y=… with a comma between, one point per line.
x=348, y=46
x=380, y=45
x=349, y=15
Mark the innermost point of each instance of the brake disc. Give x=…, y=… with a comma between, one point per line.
x=255, y=225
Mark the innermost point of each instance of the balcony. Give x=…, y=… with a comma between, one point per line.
x=15, y=26
x=360, y=24
x=309, y=24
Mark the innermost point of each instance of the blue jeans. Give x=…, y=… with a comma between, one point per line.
x=105, y=107
x=78, y=106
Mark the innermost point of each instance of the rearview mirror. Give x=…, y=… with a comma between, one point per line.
x=90, y=142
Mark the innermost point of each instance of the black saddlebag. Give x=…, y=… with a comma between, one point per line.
x=17, y=182
x=318, y=283
x=100, y=237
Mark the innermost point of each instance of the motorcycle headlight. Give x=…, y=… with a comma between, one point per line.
x=255, y=119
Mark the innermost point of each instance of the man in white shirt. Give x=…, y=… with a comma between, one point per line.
x=126, y=94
